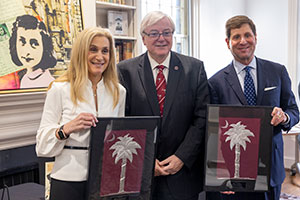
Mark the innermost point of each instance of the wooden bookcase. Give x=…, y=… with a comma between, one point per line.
x=123, y=42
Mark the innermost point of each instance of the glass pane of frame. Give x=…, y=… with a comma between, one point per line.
x=122, y=154
x=238, y=148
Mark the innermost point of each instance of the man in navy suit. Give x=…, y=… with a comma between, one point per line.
x=180, y=143
x=272, y=88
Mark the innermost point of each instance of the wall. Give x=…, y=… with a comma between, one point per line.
x=89, y=13
x=213, y=16
x=271, y=19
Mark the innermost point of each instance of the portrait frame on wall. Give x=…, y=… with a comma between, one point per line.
x=36, y=39
x=122, y=156
x=238, y=148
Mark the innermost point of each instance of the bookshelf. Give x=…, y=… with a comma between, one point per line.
x=126, y=39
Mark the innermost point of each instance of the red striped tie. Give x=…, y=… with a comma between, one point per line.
x=161, y=88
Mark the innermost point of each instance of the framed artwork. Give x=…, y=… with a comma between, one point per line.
x=118, y=22
x=238, y=148
x=48, y=170
x=36, y=38
x=122, y=155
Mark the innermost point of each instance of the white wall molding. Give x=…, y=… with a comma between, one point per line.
x=20, y=118
x=293, y=43
x=290, y=143
x=290, y=150
x=195, y=28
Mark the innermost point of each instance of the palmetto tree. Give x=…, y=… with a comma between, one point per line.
x=238, y=136
x=124, y=149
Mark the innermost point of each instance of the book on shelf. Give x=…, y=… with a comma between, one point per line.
x=127, y=50
x=119, y=51
x=124, y=50
x=118, y=22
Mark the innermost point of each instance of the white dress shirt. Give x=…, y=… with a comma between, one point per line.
x=155, y=70
x=72, y=165
x=241, y=73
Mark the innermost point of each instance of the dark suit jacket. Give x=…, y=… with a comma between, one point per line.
x=182, y=127
x=274, y=89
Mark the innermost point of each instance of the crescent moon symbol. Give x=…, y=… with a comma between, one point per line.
x=112, y=138
x=226, y=124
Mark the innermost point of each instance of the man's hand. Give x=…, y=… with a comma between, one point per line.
x=171, y=165
x=228, y=192
x=158, y=170
x=278, y=116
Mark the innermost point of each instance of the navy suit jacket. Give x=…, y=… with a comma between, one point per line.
x=182, y=127
x=274, y=89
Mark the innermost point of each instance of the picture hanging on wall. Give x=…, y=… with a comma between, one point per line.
x=35, y=42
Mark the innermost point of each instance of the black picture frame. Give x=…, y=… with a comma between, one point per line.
x=105, y=135
x=246, y=169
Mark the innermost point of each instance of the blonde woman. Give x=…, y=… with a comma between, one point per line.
x=89, y=89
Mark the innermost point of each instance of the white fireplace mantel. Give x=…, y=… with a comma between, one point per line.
x=20, y=115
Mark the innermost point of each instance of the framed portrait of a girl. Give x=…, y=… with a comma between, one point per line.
x=35, y=40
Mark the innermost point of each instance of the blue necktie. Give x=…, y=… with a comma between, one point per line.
x=249, y=89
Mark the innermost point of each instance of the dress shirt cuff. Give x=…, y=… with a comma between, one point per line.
x=287, y=119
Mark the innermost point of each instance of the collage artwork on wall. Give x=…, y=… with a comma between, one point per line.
x=35, y=42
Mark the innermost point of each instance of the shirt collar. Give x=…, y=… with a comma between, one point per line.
x=100, y=83
x=153, y=63
x=239, y=66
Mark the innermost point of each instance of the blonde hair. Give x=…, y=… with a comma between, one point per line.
x=77, y=72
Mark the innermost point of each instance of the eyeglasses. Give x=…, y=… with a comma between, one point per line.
x=156, y=34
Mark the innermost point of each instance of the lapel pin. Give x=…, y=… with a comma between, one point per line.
x=176, y=68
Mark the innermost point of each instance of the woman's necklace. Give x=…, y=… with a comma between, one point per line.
x=95, y=98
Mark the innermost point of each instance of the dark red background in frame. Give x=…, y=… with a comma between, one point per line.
x=248, y=157
x=110, y=179
x=212, y=182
